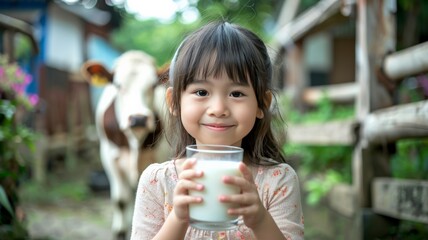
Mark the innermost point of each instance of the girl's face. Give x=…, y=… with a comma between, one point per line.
x=218, y=110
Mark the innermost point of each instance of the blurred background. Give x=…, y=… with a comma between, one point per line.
x=352, y=88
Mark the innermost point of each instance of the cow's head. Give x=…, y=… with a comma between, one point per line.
x=135, y=77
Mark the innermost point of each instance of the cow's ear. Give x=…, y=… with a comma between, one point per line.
x=163, y=73
x=96, y=74
x=169, y=103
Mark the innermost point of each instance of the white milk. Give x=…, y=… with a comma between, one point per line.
x=211, y=209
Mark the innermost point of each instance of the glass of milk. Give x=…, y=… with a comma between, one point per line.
x=215, y=161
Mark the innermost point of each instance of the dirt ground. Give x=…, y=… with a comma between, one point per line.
x=69, y=220
x=65, y=207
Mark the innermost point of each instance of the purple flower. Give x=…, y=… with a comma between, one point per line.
x=18, y=88
x=34, y=99
x=14, y=81
x=27, y=79
x=19, y=73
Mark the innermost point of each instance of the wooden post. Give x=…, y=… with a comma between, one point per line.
x=295, y=74
x=39, y=165
x=375, y=38
x=9, y=45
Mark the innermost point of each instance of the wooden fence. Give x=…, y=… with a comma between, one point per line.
x=377, y=122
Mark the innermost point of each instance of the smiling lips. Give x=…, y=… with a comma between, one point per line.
x=217, y=127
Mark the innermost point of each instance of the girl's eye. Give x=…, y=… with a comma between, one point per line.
x=201, y=93
x=237, y=94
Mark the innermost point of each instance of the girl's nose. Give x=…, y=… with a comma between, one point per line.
x=218, y=107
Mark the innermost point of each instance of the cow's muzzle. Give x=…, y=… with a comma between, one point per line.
x=138, y=121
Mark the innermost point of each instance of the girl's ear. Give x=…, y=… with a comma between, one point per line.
x=168, y=98
x=267, y=100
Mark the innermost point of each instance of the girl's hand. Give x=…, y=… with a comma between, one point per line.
x=181, y=198
x=251, y=208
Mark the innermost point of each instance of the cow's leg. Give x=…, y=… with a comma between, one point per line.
x=131, y=167
x=120, y=193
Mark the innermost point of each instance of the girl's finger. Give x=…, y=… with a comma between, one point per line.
x=241, y=199
x=188, y=163
x=187, y=171
x=189, y=174
x=185, y=199
x=245, y=182
x=246, y=173
x=242, y=210
x=184, y=185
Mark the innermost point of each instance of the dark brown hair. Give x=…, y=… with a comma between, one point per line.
x=223, y=47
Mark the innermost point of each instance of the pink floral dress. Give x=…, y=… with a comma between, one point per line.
x=278, y=188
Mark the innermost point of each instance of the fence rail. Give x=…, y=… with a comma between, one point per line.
x=400, y=198
x=378, y=122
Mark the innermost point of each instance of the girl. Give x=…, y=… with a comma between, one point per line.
x=220, y=94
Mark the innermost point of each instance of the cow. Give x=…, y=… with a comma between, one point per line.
x=129, y=118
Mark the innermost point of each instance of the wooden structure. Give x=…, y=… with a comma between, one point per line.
x=373, y=197
x=64, y=107
x=11, y=26
x=64, y=117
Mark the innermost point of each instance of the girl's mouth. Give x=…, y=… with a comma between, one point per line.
x=218, y=127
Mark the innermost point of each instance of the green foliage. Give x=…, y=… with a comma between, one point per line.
x=411, y=90
x=161, y=39
x=56, y=191
x=319, y=186
x=411, y=17
x=323, y=111
x=322, y=167
x=317, y=159
x=408, y=230
x=14, y=231
x=13, y=81
x=255, y=15
x=23, y=47
x=157, y=39
x=12, y=136
x=411, y=159
x=5, y=201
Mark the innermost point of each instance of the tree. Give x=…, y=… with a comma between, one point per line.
x=155, y=38
x=161, y=39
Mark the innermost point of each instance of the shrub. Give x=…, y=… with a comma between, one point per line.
x=13, y=83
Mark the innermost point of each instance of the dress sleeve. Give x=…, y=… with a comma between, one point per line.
x=148, y=210
x=284, y=202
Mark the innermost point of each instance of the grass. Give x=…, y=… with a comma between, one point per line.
x=55, y=191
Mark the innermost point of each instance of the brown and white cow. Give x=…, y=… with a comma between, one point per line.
x=128, y=118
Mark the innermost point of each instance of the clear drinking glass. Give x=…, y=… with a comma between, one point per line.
x=215, y=161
